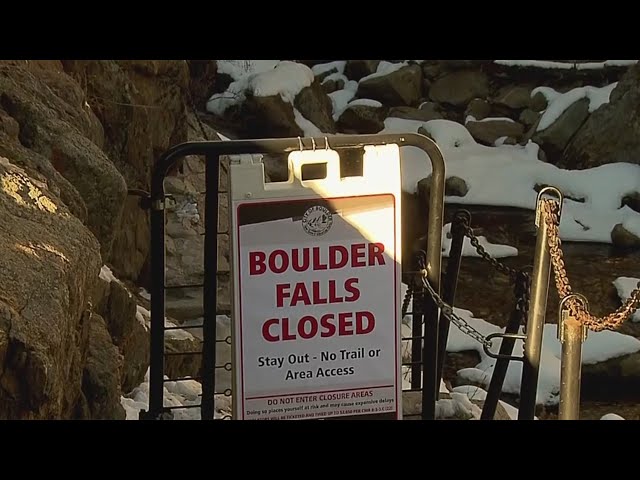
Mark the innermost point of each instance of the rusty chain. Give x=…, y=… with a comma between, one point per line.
x=550, y=209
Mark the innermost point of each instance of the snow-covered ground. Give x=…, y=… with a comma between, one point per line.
x=503, y=175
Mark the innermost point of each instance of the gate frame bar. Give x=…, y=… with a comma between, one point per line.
x=212, y=150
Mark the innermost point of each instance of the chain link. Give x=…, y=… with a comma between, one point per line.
x=550, y=210
x=447, y=310
x=500, y=267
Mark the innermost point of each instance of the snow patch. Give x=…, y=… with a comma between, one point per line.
x=624, y=287
x=611, y=416
x=326, y=67
x=286, y=80
x=558, y=102
x=341, y=98
x=107, y=275
x=335, y=77
x=364, y=102
x=307, y=126
x=238, y=69
x=517, y=170
x=384, y=68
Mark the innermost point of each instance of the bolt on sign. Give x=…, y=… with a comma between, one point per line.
x=316, y=287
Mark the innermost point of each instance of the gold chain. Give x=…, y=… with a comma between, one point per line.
x=610, y=322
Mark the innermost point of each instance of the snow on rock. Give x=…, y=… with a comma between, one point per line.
x=385, y=68
x=566, y=65
x=364, y=102
x=611, y=416
x=107, y=275
x=336, y=77
x=307, y=126
x=471, y=118
x=262, y=79
x=517, y=169
x=558, y=102
x=477, y=393
x=468, y=250
x=176, y=394
x=143, y=316
x=340, y=98
x=326, y=67
x=624, y=287
x=286, y=80
x=238, y=69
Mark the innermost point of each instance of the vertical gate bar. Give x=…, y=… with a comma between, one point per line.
x=535, y=324
x=157, y=271
x=449, y=285
x=416, y=343
x=212, y=170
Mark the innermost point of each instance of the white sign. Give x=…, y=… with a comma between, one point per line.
x=316, y=288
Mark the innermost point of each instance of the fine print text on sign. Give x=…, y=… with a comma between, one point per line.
x=317, y=321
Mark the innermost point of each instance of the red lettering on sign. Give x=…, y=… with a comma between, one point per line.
x=265, y=330
x=300, y=265
x=312, y=258
x=256, y=263
x=376, y=251
x=357, y=253
x=300, y=294
x=309, y=327
x=273, y=261
x=334, y=250
x=282, y=292
x=351, y=286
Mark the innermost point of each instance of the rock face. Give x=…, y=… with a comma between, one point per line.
x=422, y=114
x=611, y=133
x=402, y=87
x=555, y=138
x=514, y=96
x=460, y=87
x=265, y=117
x=54, y=123
x=362, y=119
x=489, y=131
x=49, y=263
x=357, y=69
x=142, y=105
x=101, y=376
x=315, y=106
x=118, y=308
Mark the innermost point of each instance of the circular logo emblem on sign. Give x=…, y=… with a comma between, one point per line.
x=317, y=220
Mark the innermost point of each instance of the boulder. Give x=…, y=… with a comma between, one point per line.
x=315, y=105
x=330, y=86
x=460, y=87
x=49, y=262
x=401, y=87
x=613, y=378
x=453, y=186
x=101, y=376
x=489, y=131
x=128, y=330
x=555, y=138
x=478, y=109
x=621, y=237
x=357, y=69
x=513, y=96
x=362, y=119
x=176, y=366
x=57, y=128
x=263, y=117
x=612, y=132
x=538, y=102
x=410, y=113
x=632, y=200
x=529, y=118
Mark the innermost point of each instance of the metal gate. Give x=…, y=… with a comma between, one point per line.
x=212, y=150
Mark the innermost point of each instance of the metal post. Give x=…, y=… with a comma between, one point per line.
x=536, y=319
x=460, y=219
x=506, y=352
x=571, y=334
x=212, y=169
